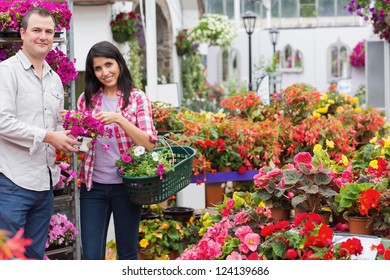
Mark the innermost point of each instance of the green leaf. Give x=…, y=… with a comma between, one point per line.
x=322, y=179
x=310, y=189
x=291, y=176
x=297, y=200
x=279, y=249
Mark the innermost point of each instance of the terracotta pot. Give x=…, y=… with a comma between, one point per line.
x=359, y=225
x=225, y=169
x=325, y=218
x=214, y=194
x=279, y=213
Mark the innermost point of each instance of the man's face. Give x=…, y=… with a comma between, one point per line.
x=38, y=38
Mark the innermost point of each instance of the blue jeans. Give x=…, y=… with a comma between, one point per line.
x=96, y=207
x=31, y=210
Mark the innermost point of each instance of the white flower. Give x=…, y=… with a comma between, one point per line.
x=155, y=156
x=139, y=151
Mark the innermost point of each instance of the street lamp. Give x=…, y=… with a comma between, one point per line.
x=249, y=24
x=274, y=35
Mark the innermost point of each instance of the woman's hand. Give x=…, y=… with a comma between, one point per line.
x=62, y=113
x=108, y=117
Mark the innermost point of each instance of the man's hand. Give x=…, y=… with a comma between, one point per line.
x=62, y=141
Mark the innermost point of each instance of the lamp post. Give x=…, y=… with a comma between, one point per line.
x=249, y=24
x=274, y=35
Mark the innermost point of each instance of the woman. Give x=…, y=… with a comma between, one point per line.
x=112, y=98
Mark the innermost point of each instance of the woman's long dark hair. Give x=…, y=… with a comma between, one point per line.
x=92, y=84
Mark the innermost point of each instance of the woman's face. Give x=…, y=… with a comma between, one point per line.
x=106, y=71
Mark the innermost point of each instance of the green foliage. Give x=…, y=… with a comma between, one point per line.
x=134, y=63
x=348, y=196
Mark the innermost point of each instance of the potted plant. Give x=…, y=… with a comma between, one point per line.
x=357, y=201
x=214, y=29
x=86, y=128
x=12, y=12
x=166, y=238
x=126, y=26
x=62, y=232
x=306, y=238
x=183, y=45
x=61, y=63
x=66, y=177
x=309, y=183
x=165, y=117
x=378, y=12
x=140, y=163
x=267, y=181
x=357, y=57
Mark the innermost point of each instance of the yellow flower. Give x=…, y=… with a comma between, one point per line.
x=376, y=133
x=323, y=110
x=317, y=147
x=316, y=115
x=373, y=140
x=382, y=152
x=220, y=114
x=158, y=235
x=324, y=97
x=187, y=113
x=386, y=142
x=374, y=164
x=355, y=100
x=331, y=101
x=191, y=221
x=329, y=144
x=177, y=227
x=344, y=160
x=358, y=110
x=144, y=243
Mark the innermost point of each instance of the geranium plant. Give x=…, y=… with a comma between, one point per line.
x=137, y=162
x=129, y=23
x=357, y=57
x=214, y=29
x=183, y=44
x=62, y=232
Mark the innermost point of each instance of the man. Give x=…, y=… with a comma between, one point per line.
x=31, y=95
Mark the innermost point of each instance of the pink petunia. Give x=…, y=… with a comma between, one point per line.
x=126, y=158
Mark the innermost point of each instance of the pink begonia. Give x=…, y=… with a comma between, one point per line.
x=243, y=248
x=230, y=203
x=242, y=231
x=240, y=218
x=225, y=212
x=274, y=173
x=252, y=240
x=303, y=158
x=234, y=256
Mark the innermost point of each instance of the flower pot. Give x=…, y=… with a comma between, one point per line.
x=86, y=143
x=120, y=36
x=214, y=194
x=359, y=225
x=325, y=217
x=10, y=33
x=279, y=214
x=181, y=214
x=387, y=19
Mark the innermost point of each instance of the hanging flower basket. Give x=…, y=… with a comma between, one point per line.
x=152, y=189
x=120, y=36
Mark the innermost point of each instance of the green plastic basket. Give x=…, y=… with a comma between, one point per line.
x=151, y=190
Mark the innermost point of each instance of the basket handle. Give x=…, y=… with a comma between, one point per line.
x=164, y=141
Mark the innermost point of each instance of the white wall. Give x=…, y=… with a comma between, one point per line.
x=91, y=25
x=313, y=42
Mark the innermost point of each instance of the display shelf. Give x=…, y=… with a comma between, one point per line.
x=224, y=176
x=5, y=40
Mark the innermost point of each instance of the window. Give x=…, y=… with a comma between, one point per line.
x=326, y=8
x=229, y=67
x=289, y=8
x=222, y=7
x=290, y=60
x=307, y=8
x=340, y=67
